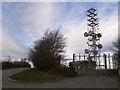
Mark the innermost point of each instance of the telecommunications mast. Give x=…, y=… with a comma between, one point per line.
x=93, y=35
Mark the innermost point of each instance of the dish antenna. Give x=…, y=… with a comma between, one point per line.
x=93, y=34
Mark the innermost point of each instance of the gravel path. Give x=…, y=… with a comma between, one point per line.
x=82, y=81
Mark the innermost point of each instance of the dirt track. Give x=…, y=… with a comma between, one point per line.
x=83, y=81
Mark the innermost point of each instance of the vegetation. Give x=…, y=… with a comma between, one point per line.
x=9, y=65
x=68, y=71
x=45, y=54
x=35, y=75
x=116, y=51
x=64, y=71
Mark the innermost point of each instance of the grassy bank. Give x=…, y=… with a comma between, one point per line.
x=34, y=75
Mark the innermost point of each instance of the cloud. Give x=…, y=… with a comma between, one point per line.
x=38, y=14
x=76, y=28
x=12, y=47
x=60, y=0
x=0, y=30
x=73, y=23
x=109, y=29
x=35, y=18
x=38, y=17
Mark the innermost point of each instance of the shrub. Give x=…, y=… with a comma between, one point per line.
x=21, y=64
x=46, y=52
x=64, y=71
x=68, y=71
x=7, y=65
x=14, y=64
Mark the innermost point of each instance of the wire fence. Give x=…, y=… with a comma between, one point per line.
x=103, y=64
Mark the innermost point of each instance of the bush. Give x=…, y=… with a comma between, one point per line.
x=68, y=71
x=17, y=64
x=7, y=65
x=64, y=71
x=21, y=64
x=46, y=52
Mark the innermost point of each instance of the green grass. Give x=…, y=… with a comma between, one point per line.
x=34, y=75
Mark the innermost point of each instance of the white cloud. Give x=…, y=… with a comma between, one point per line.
x=0, y=30
x=37, y=17
x=76, y=28
x=76, y=43
x=0, y=41
x=109, y=29
x=38, y=14
x=73, y=28
x=60, y=0
x=12, y=47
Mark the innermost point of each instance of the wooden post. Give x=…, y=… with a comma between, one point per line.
x=99, y=60
x=79, y=57
x=105, y=61
x=79, y=64
x=74, y=61
x=84, y=57
x=73, y=57
x=109, y=61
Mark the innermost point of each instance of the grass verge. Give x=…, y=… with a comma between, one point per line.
x=34, y=75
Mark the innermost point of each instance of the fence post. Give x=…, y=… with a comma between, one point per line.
x=99, y=63
x=73, y=58
x=109, y=63
x=105, y=61
x=79, y=57
x=74, y=61
x=109, y=60
x=84, y=57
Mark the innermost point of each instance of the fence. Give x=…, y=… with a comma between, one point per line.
x=103, y=63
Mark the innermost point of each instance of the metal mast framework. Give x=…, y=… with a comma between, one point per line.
x=93, y=34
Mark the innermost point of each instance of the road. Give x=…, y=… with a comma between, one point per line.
x=82, y=81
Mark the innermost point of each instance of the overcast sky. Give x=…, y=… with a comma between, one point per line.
x=23, y=22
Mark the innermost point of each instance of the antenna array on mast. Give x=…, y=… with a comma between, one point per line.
x=93, y=34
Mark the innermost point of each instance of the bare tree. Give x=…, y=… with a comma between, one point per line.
x=45, y=54
x=116, y=51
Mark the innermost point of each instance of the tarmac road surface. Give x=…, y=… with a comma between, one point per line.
x=82, y=81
